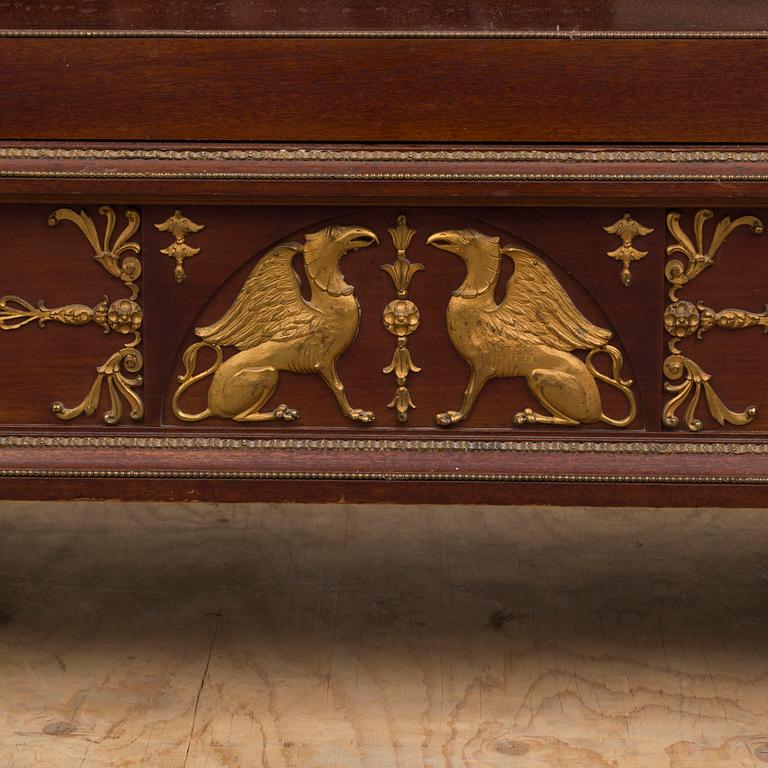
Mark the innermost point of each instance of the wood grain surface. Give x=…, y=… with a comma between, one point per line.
x=437, y=90
x=221, y=636
x=385, y=15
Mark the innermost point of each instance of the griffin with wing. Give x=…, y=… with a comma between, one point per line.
x=275, y=329
x=532, y=333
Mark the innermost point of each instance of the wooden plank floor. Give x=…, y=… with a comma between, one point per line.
x=221, y=636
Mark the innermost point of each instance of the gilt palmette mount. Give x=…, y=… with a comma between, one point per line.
x=686, y=379
x=119, y=257
x=627, y=229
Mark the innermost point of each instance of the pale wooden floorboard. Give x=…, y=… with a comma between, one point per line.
x=235, y=636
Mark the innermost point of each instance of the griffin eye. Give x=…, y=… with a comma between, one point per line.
x=336, y=232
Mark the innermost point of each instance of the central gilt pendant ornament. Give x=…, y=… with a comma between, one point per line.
x=401, y=317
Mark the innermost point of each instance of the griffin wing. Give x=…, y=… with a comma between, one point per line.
x=269, y=306
x=537, y=309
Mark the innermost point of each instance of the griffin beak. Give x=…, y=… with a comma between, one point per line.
x=360, y=237
x=445, y=241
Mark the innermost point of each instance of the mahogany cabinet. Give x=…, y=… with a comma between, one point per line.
x=410, y=254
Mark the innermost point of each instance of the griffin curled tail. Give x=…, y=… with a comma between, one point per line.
x=188, y=378
x=617, y=363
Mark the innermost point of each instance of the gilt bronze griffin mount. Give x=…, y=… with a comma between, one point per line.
x=275, y=329
x=532, y=334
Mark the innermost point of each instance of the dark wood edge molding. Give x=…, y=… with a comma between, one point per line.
x=288, y=173
x=548, y=462
x=393, y=34
x=544, y=475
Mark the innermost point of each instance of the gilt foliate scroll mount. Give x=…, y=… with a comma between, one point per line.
x=275, y=329
x=531, y=334
x=123, y=316
x=401, y=317
x=686, y=380
x=179, y=226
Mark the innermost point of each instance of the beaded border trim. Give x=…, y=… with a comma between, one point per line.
x=172, y=474
x=390, y=155
x=397, y=444
x=244, y=175
x=395, y=34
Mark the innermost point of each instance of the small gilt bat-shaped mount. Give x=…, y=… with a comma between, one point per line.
x=275, y=329
x=179, y=226
x=627, y=229
x=531, y=334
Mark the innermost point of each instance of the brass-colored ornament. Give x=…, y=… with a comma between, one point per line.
x=275, y=329
x=16, y=312
x=118, y=258
x=413, y=446
x=532, y=333
x=179, y=226
x=118, y=385
x=685, y=378
x=627, y=229
x=683, y=319
x=124, y=316
x=401, y=317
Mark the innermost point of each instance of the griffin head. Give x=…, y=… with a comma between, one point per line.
x=324, y=249
x=481, y=254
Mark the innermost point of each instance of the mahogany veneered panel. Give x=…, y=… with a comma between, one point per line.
x=457, y=90
x=58, y=362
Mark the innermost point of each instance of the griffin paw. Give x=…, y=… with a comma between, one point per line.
x=285, y=413
x=358, y=414
x=448, y=418
x=526, y=417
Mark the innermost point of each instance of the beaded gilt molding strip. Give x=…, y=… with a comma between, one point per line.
x=277, y=176
x=390, y=155
x=351, y=444
x=172, y=474
x=396, y=34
